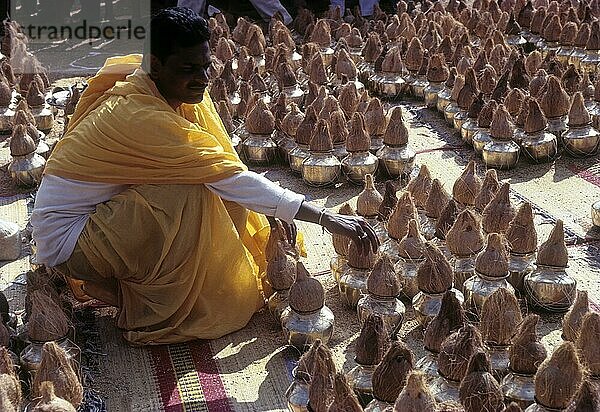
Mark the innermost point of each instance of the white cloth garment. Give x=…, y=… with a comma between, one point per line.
x=62, y=207
x=367, y=7
x=266, y=8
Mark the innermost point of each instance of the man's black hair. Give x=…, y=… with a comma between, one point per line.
x=175, y=27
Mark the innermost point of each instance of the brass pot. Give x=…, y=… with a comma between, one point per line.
x=428, y=365
x=297, y=393
x=463, y=268
x=388, y=85
x=43, y=117
x=418, y=85
x=31, y=357
x=450, y=111
x=296, y=157
x=302, y=329
x=459, y=119
x=377, y=405
x=406, y=270
x=431, y=92
x=321, y=169
x=539, y=147
x=27, y=170
x=376, y=143
x=259, y=149
x=338, y=265
x=519, y=266
x=581, y=141
x=550, y=288
x=294, y=94
x=396, y=160
x=277, y=303
x=444, y=389
x=339, y=150
x=590, y=62
x=357, y=165
x=596, y=214
x=499, y=359
x=356, y=54
x=428, y=305
x=518, y=388
x=563, y=54
x=480, y=139
x=360, y=378
x=327, y=54
x=353, y=284
x=390, y=309
x=6, y=120
x=285, y=144
x=477, y=288
x=558, y=126
x=443, y=99
x=576, y=57
x=500, y=154
x=468, y=130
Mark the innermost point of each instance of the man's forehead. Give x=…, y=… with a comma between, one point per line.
x=199, y=54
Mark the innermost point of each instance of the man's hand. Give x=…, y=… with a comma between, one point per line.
x=355, y=228
x=290, y=230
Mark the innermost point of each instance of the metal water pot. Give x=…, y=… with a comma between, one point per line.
x=260, y=149
x=581, y=141
x=27, y=170
x=550, y=288
x=321, y=169
x=302, y=329
x=539, y=147
x=427, y=305
x=518, y=388
x=360, y=378
x=352, y=285
x=396, y=160
x=390, y=309
x=501, y=154
x=479, y=287
x=519, y=266
x=431, y=92
x=357, y=165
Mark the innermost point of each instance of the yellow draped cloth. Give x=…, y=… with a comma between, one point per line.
x=188, y=264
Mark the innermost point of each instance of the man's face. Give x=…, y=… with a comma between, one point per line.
x=184, y=76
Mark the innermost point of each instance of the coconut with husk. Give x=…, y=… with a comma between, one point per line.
x=320, y=391
x=445, y=93
x=397, y=226
x=587, y=398
x=437, y=74
x=452, y=107
x=383, y=288
x=47, y=321
x=26, y=166
x=40, y=280
x=488, y=191
x=513, y=102
x=341, y=245
x=9, y=380
x=470, y=126
x=303, y=137
x=289, y=126
x=479, y=390
x=567, y=42
x=522, y=243
x=501, y=152
x=6, y=113
x=467, y=186
x=443, y=225
x=466, y=97
x=453, y=362
x=436, y=201
x=538, y=143
x=390, y=376
x=499, y=212
x=389, y=201
x=549, y=286
x=491, y=274
x=500, y=317
x=420, y=186
x=348, y=98
x=49, y=402
x=369, y=200
x=555, y=103
x=353, y=283
x=359, y=162
x=258, y=146
x=415, y=396
x=538, y=83
x=571, y=80
x=464, y=240
x=434, y=278
x=589, y=63
x=281, y=274
x=58, y=369
x=375, y=123
x=449, y=319
x=317, y=70
x=344, y=398
x=571, y=327
x=581, y=40
x=587, y=343
x=321, y=167
x=395, y=156
x=558, y=378
x=581, y=139
x=369, y=348
x=307, y=318
x=411, y=255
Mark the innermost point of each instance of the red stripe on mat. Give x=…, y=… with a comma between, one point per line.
x=210, y=379
x=585, y=174
x=165, y=378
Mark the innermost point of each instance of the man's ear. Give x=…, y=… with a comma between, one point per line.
x=155, y=66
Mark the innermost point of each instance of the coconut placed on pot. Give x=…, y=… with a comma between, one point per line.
x=420, y=186
x=467, y=186
x=538, y=143
x=452, y=107
x=413, y=59
x=436, y=202
x=499, y=212
x=567, y=42
x=464, y=240
x=258, y=145
x=49, y=402
x=555, y=105
x=500, y=317
x=346, y=68
x=491, y=274
x=375, y=124
x=302, y=139
x=337, y=124
x=444, y=95
x=471, y=126
x=353, y=282
x=479, y=390
x=341, y=244
x=307, y=317
x=320, y=391
x=501, y=152
x=557, y=380
x=434, y=277
x=383, y=289
x=411, y=255
x=368, y=202
x=387, y=79
x=453, y=362
x=522, y=245
x=26, y=166
x=549, y=287
x=488, y=191
x=449, y=319
x=281, y=274
x=389, y=378
x=397, y=225
x=581, y=139
x=321, y=35
x=571, y=324
x=395, y=156
x=321, y=167
x=587, y=344
x=581, y=41
x=369, y=348
x=437, y=74
x=415, y=396
x=466, y=96
x=359, y=162
x=285, y=139
x=591, y=60
x=344, y=398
